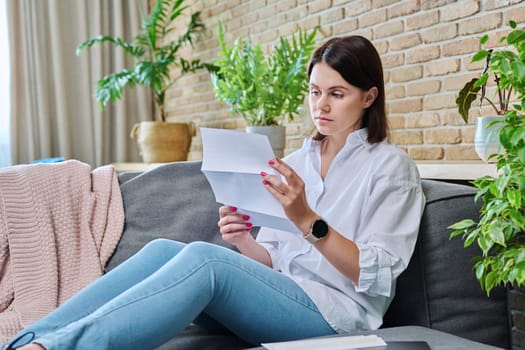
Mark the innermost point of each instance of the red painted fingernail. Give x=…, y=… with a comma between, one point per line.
x=271, y=162
x=265, y=182
x=263, y=173
x=233, y=208
x=245, y=217
x=249, y=225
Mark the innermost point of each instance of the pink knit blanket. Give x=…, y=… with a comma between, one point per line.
x=59, y=224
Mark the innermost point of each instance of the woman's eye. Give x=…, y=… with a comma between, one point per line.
x=337, y=95
x=314, y=92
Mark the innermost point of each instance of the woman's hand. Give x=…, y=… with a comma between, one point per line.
x=342, y=253
x=234, y=227
x=291, y=194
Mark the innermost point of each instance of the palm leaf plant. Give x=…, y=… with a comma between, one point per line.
x=156, y=57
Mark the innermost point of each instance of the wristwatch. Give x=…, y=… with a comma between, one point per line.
x=318, y=230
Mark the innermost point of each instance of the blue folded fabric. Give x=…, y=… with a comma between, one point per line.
x=49, y=160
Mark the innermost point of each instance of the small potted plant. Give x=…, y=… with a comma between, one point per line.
x=264, y=89
x=487, y=127
x=500, y=230
x=156, y=59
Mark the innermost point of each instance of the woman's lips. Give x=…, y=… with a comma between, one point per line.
x=322, y=119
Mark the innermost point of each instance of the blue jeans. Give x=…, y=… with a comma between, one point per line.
x=149, y=298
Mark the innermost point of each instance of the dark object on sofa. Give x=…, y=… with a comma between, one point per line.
x=438, y=290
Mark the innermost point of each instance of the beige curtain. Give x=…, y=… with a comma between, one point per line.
x=54, y=112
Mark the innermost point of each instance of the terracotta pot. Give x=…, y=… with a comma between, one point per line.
x=161, y=142
x=276, y=134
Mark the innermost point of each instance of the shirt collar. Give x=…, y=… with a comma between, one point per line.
x=359, y=137
x=354, y=140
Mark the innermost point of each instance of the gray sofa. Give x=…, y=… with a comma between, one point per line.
x=438, y=298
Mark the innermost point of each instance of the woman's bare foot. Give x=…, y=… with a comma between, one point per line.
x=32, y=346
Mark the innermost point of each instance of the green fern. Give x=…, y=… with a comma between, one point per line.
x=263, y=89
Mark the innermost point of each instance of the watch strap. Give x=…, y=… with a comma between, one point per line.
x=310, y=237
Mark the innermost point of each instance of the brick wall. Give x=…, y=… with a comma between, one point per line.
x=426, y=47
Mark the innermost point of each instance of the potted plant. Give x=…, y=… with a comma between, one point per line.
x=487, y=127
x=156, y=59
x=264, y=89
x=500, y=229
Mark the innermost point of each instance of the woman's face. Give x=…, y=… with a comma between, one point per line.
x=336, y=107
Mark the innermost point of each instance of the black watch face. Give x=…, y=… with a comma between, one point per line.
x=320, y=228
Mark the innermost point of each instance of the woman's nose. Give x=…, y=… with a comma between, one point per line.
x=322, y=103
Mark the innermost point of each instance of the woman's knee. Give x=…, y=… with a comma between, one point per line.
x=201, y=248
x=163, y=247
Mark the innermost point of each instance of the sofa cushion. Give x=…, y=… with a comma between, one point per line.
x=439, y=289
x=171, y=201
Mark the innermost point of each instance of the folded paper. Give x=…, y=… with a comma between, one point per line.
x=232, y=162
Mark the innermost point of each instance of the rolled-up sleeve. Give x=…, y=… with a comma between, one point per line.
x=392, y=216
x=269, y=240
x=375, y=271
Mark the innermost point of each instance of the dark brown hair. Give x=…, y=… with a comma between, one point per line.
x=357, y=61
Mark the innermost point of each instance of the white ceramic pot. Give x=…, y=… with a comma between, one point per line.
x=486, y=139
x=276, y=134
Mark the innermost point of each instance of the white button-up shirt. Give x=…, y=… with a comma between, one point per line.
x=371, y=195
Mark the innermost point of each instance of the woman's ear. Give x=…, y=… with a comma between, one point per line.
x=370, y=96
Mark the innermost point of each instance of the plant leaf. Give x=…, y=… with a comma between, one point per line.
x=496, y=234
x=490, y=281
x=134, y=50
x=481, y=54
x=480, y=269
x=111, y=86
x=463, y=224
x=514, y=197
x=467, y=95
x=518, y=70
x=521, y=154
x=516, y=36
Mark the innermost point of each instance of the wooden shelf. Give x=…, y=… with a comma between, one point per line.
x=133, y=167
x=455, y=170
x=437, y=170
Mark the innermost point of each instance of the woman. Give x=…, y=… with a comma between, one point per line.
x=356, y=198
